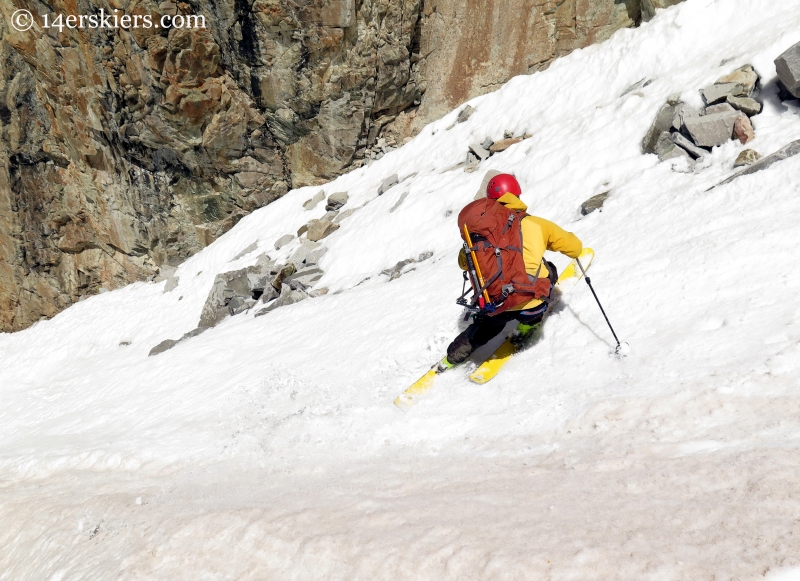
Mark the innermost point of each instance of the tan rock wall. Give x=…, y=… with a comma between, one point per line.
x=123, y=150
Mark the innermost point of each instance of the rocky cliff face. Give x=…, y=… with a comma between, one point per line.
x=124, y=150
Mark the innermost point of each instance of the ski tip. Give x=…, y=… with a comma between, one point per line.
x=404, y=402
x=478, y=378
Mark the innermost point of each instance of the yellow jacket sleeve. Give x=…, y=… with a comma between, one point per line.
x=556, y=238
x=539, y=235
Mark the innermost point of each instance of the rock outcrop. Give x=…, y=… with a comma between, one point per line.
x=123, y=150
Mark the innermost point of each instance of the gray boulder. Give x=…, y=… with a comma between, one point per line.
x=301, y=253
x=163, y=346
x=288, y=296
x=344, y=215
x=336, y=201
x=690, y=147
x=388, y=183
x=319, y=229
x=487, y=143
x=594, y=203
x=721, y=91
x=746, y=77
x=239, y=305
x=479, y=152
x=397, y=270
x=719, y=108
x=682, y=112
x=283, y=241
x=465, y=114
x=788, y=67
x=784, y=153
x=172, y=284
x=246, y=251
x=312, y=203
x=306, y=276
x=746, y=105
x=661, y=124
x=165, y=272
x=746, y=157
x=712, y=130
x=666, y=148
x=170, y=343
x=315, y=255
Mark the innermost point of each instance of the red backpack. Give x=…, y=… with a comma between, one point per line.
x=492, y=235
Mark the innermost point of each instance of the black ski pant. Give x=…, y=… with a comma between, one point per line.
x=485, y=328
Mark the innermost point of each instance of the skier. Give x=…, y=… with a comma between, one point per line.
x=526, y=305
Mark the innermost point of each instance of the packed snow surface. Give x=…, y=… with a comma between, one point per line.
x=269, y=448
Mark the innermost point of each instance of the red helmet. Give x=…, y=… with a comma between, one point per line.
x=502, y=184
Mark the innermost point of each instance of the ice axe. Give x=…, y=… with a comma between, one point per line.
x=622, y=348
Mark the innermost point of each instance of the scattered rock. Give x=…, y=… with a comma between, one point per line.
x=743, y=129
x=312, y=203
x=661, y=124
x=246, y=251
x=594, y=203
x=306, y=276
x=284, y=273
x=165, y=272
x=719, y=108
x=315, y=255
x=636, y=86
x=746, y=105
x=163, y=346
x=665, y=147
x=712, y=130
x=336, y=201
x=504, y=144
x=487, y=143
x=302, y=253
x=319, y=229
x=172, y=284
x=344, y=215
x=388, y=183
x=397, y=270
x=479, y=151
x=690, y=147
x=302, y=230
x=399, y=202
x=465, y=114
x=239, y=305
x=788, y=67
x=745, y=76
x=721, y=91
x=170, y=343
x=288, y=296
x=784, y=153
x=283, y=241
x=269, y=293
x=746, y=157
x=682, y=113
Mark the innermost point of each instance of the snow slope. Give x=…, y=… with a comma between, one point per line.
x=269, y=448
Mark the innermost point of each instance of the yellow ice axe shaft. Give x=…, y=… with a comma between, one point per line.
x=475, y=262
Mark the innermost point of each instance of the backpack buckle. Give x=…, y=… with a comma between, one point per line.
x=507, y=289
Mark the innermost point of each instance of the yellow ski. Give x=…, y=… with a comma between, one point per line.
x=566, y=281
x=423, y=384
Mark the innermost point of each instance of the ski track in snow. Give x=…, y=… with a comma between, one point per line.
x=269, y=448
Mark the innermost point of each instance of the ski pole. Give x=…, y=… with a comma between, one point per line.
x=589, y=282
